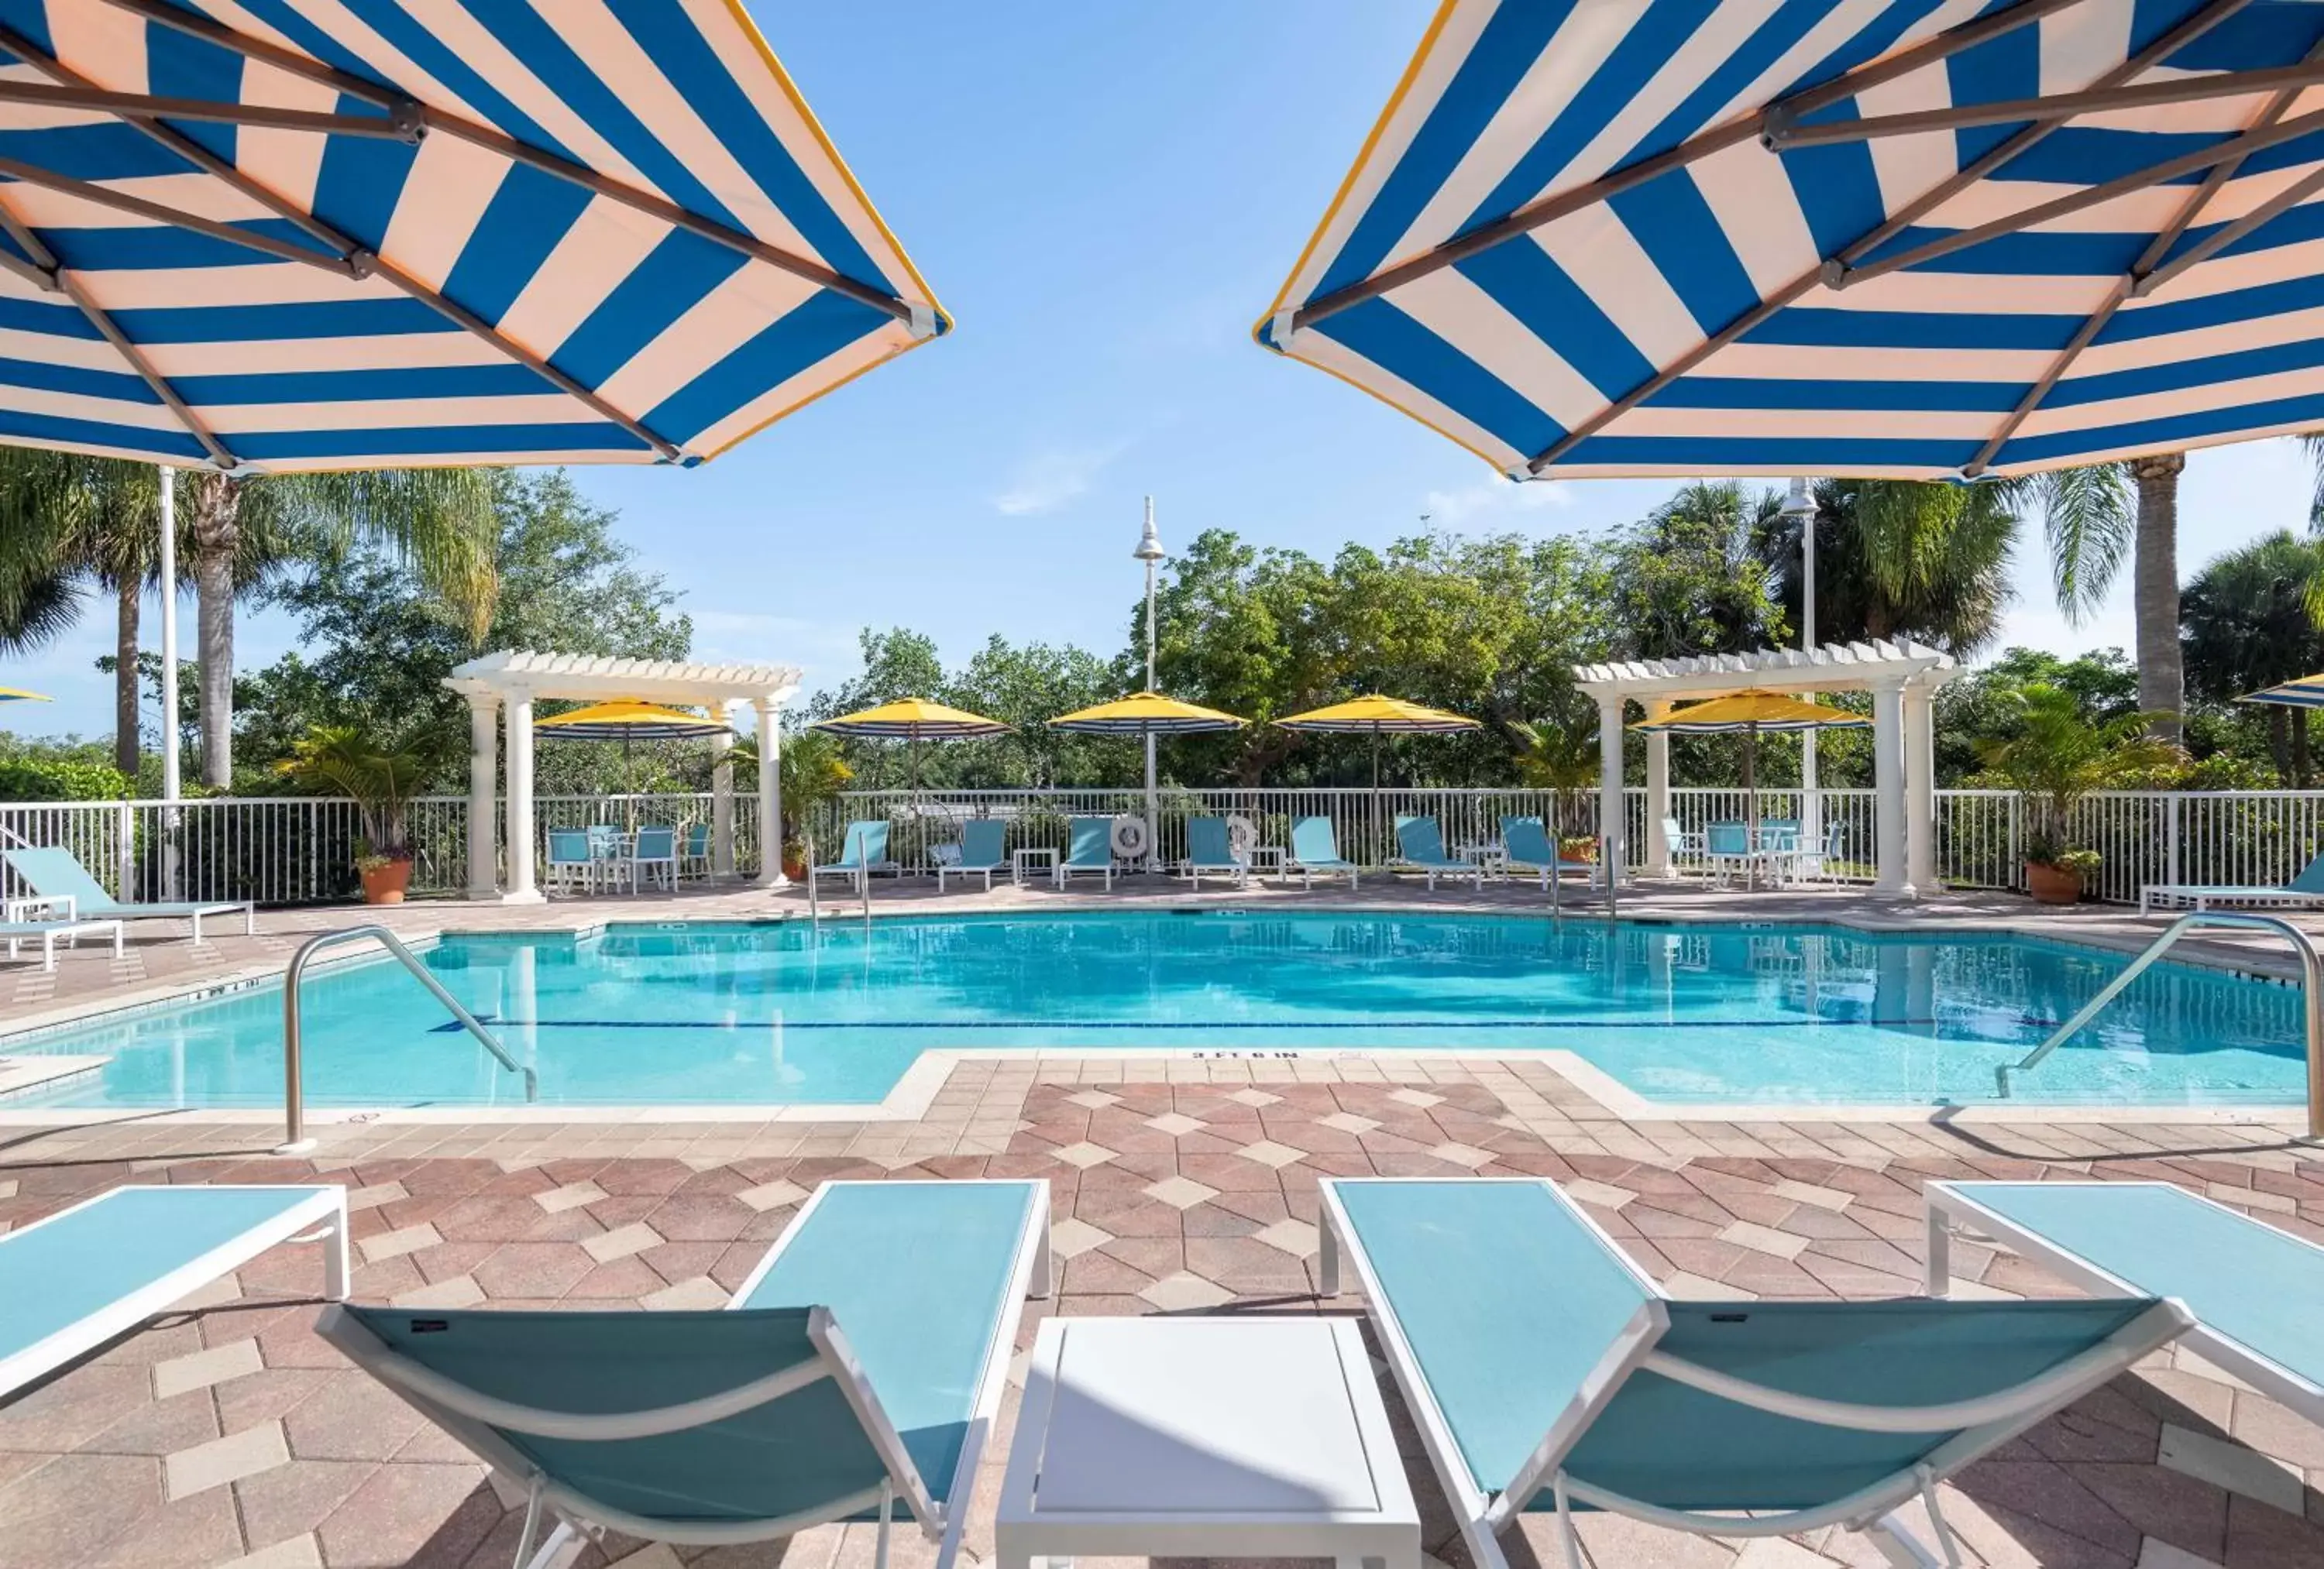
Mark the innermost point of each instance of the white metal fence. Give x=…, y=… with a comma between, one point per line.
x=299, y=850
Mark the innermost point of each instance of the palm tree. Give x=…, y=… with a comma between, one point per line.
x=2250, y=622
x=1899, y=559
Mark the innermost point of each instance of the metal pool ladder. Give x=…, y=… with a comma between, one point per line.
x=2311, y=997
x=294, y=1097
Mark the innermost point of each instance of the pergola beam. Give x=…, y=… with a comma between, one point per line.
x=508, y=147
x=394, y=126
x=1872, y=74
x=1784, y=132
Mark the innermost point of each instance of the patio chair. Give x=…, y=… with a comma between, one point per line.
x=854, y=1376
x=983, y=851
x=1727, y=849
x=1420, y=845
x=102, y=1268
x=694, y=851
x=572, y=859
x=2253, y=1290
x=654, y=854
x=1683, y=846
x=1525, y=842
x=863, y=851
x=1817, y=863
x=1211, y=849
x=1547, y=1372
x=2305, y=890
x=55, y=873
x=1088, y=851
x=1315, y=849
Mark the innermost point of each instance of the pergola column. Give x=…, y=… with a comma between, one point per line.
x=722, y=792
x=1921, y=789
x=1609, y=788
x=770, y=794
x=1658, y=849
x=1889, y=782
x=520, y=835
x=483, y=794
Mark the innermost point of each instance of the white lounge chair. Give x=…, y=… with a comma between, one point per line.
x=856, y=1373
x=1210, y=848
x=1524, y=840
x=1420, y=845
x=55, y=872
x=862, y=852
x=1315, y=850
x=1088, y=851
x=983, y=851
x=102, y=1268
x=1547, y=1372
x=62, y=922
x=2305, y=890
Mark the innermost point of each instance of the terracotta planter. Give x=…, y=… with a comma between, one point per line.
x=794, y=866
x=1581, y=849
x=385, y=884
x=2051, y=885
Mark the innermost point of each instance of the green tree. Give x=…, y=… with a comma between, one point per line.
x=1691, y=579
x=1897, y=559
x=1983, y=703
x=2055, y=758
x=2249, y=623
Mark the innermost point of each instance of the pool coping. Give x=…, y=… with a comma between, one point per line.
x=909, y=1098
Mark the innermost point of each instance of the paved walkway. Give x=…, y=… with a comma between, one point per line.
x=227, y=1433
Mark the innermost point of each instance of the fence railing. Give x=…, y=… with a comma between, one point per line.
x=300, y=850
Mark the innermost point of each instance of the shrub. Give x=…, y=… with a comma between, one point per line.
x=52, y=779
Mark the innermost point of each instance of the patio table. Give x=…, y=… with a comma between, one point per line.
x=1026, y=856
x=1205, y=1439
x=1269, y=857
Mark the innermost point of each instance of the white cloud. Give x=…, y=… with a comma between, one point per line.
x=1449, y=509
x=1051, y=478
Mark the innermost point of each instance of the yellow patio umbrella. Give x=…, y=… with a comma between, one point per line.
x=1146, y=713
x=913, y=720
x=18, y=695
x=1748, y=714
x=627, y=720
x=1377, y=716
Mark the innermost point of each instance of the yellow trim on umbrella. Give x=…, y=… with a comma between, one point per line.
x=912, y=719
x=1755, y=710
x=1375, y=713
x=1147, y=711
x=18, y=695
x=628, y=716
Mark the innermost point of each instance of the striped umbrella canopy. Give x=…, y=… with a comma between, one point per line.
x=2308, y=692
x=915, y=720
x=1749, y=714
x=630, y=720
x=1378, y=716
x=332, y=233
x=18, y=695
x=1146, y=713
x=1871, y=237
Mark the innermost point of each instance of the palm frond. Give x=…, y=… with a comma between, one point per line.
x=2091, y=517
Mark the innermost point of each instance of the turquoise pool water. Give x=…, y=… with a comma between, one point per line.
x=741, y=1014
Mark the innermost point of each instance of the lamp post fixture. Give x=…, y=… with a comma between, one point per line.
x=1150, y=551
x=1799, y=507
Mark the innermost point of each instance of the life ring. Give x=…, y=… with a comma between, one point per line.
x=1131, y=840
x=1242, y=837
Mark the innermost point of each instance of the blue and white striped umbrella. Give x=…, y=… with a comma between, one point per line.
x=332, y=233
x=1916, y=238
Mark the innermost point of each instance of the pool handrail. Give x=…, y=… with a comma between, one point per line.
x=294, y=1094
x=2311, y=997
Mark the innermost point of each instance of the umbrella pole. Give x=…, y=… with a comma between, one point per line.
x=1380, y=847
x=1751, y=800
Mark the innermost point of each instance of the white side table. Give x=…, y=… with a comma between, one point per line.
x=1024, y=858
x=1268, y=858
x=1204, y=1439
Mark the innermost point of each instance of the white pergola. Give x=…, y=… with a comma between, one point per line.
x=1903, y=678
x=514, y=679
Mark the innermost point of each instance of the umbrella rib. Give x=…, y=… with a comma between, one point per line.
x=1784, y=132
x=2138, y=280
x=2001, y=152
x=144, y=107
x=1872, y=74
x=404, y=104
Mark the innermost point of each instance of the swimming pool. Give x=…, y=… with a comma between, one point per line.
x=711, y=1013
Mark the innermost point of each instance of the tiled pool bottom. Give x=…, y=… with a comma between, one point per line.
x=229, y=1431
x=706, y=1013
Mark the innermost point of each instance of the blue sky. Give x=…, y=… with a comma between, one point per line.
x=1105, y=197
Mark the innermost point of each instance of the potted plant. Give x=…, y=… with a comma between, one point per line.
x=1560, y=756
x=812, y=774
x=381, y=775
x=2055, y=759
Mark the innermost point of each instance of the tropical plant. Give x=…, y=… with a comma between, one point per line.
x=1562, y=758
x=811, y=774
x=1899, y=559
x=381, y=774
x=2056, y=758
x=2249, y=622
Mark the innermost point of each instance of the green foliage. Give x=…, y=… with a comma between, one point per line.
x=380, y=773
x=1691, y=579
x=2249, y=622
x=2055, y=758
x=61, y=779
x=1561, y=757
x=1896, y=559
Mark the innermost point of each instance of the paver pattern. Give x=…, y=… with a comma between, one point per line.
x=227, y=1433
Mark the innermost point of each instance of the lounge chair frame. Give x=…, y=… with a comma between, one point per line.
x=1063, y=871
x=473, y=1418
x=1235, y=871
x=1451, y=867
x=1338, y=865
x=113, y=909
x=963, y=868
x=1951, y=1212
x=2203, y=896
x=61, y=918
x=321, y=1217
x=1987, y=1424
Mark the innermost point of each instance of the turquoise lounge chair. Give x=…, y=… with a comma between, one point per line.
x=1420, y=845
x=1209, y=848
x=2306, y=889
x=1546, y=1372
x=101, y=1269
x=2254, y=1290
x=863, y=851
x=983, y=842
x=1315, y=849
x=858, y=1370
x=1526, y=844
x=55, y=873
x=1088, y=851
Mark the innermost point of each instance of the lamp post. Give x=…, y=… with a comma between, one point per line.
x=166, y=552
x=1150, y=551
x=1799, y=507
